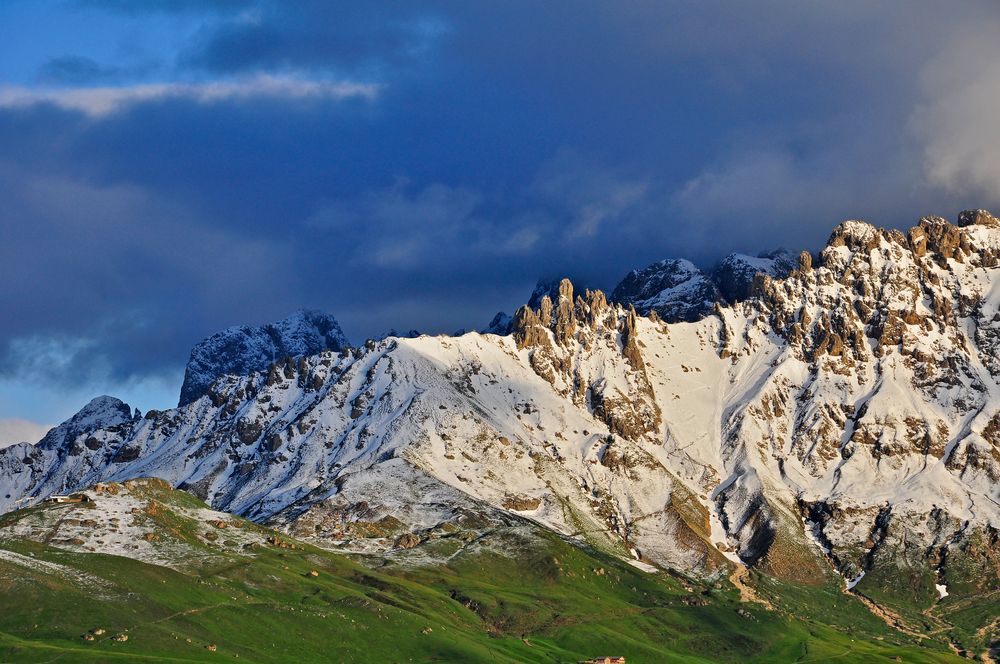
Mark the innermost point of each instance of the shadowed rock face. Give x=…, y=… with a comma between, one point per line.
x=679, y=291
x=674, y=288
x=240, y=351
x=734, y=275
x=499, y=325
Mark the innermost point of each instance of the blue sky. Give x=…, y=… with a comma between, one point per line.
x=172, y=167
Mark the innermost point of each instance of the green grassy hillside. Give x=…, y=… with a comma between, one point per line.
x=517, y=594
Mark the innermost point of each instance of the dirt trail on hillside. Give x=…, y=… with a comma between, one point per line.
x=891, y=618
x=747, y=593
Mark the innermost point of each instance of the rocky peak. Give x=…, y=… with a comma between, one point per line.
x=527, y=328
x=674, y=288
x=565, y=321
x=898, y=289
x=530, y=324
x=855, y=235
x=977, y=218
x=561, y=337
x=734, y=275
x=936, y=235
x=550, y=287
x=805, y=261
x=499, y=325
x=502, y=322
x=244, y=349
x=103, y=412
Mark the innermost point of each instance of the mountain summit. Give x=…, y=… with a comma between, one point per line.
x=241, y=350
x=678, y=291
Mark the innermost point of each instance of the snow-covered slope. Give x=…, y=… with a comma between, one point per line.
x=140, y=519
x=851, y=407
x=241, y=350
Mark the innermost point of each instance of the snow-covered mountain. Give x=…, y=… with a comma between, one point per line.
x=674, y=288
x=677, y=290
x=735, y=274
x=846, y=412
x=500, y=324
x=241, y=350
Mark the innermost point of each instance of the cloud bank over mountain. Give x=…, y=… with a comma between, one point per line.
x=13, y=431
x=173, y=168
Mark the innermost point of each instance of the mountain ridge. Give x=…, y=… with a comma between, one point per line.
x=844, y=416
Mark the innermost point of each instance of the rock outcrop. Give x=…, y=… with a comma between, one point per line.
x=242, y=350
x=565, y=342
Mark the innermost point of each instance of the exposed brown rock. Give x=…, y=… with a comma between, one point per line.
x=630, y=349
x=528, y=329
x=545, y=311
x=855, y=235
x=934, y=234
x=977, y=218
x=248, y=430
x=805, y=261
x=565, y=320
x=521, y=503
x=407, y=541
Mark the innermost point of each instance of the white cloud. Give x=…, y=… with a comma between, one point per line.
x=958, y=121
x=13, y=431
x=101, y=101
x=765, y=181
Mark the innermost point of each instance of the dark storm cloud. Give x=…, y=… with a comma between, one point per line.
x=500, y=142
x=319, y=35
x=168, y=6
x=107, y=275
x=75, y=69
